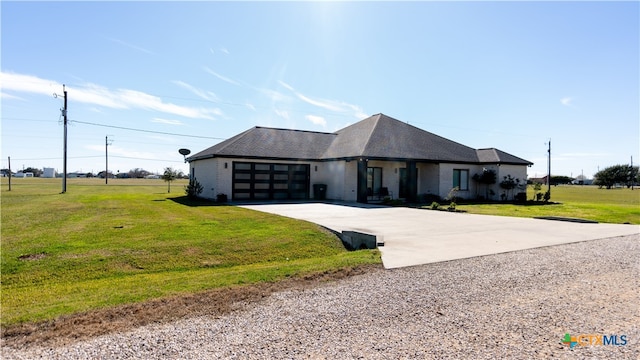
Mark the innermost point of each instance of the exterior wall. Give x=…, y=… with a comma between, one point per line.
x=517, y=172
x=341, y=177
x=331, y=173
x=494, y=192
x=206, y=172
x=350, y=192
x=428, y=179
x=446, y=180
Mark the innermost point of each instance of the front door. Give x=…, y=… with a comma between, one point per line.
x=403, y=191
x=374, y=181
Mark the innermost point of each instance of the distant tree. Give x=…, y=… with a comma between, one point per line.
x=561, y=180
x=616, y=174
x=138, y=173
x=90, y=175
x=169, y=175
x=110, y=174
x=486, y=178
x=634, y=176
x=36, y=172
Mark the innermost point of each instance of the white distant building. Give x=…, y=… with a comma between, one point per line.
x=48, y=172
x=21, y=174
x=582, y=180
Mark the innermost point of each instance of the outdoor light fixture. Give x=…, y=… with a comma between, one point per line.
x=225, y=165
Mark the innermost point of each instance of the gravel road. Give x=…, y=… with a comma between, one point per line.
x=514, y=305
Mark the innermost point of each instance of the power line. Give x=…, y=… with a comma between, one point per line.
x=58, y=158
x=147, y=131
x=25, y=119
x=97, y=156
x=120, y=127
x=146, y=159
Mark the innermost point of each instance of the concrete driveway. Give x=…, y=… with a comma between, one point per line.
x=414, y=236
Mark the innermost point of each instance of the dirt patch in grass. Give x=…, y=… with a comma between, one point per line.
x=32, y=257
x=68, y=329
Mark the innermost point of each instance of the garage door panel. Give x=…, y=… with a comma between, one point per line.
x=264, y=181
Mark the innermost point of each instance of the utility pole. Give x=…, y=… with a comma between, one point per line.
x=65, y=122
x=106, y=159
x=9, y=157
x=549, y=171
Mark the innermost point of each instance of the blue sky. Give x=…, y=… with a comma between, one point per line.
x=509, y=75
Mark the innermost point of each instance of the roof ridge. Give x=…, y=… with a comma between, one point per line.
x=298, y=130
x=373, y=128
x=492, y=149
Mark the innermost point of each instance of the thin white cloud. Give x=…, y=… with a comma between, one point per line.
x=331, y=105
x=164, y=139
x=566, y=101
x=4, y=95
x=358, y=112
x=167, y=121
x=282, y=113
x=29, y=84
x=221, y=77
x=222, y=50
x=318, y=120
x=102, y=96
x=206, y=95
x=274, y=96
x=129, y=45
x=117, y=150
x=250, y=106
x=286, y=86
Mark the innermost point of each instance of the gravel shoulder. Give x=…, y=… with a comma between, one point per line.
x=511, y=305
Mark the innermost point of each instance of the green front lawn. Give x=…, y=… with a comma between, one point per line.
x=616, y=206
x=104, y=245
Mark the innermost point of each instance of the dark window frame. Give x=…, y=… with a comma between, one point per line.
x=460, y=181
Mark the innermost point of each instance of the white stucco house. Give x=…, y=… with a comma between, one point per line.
x=378, y=156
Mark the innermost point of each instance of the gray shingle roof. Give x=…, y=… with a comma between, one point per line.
x=381, y=136
x=262, y=142
x=376, y=137
x=492, y=155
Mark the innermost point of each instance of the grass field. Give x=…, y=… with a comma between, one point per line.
x=99, y=246
x=586, y=202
